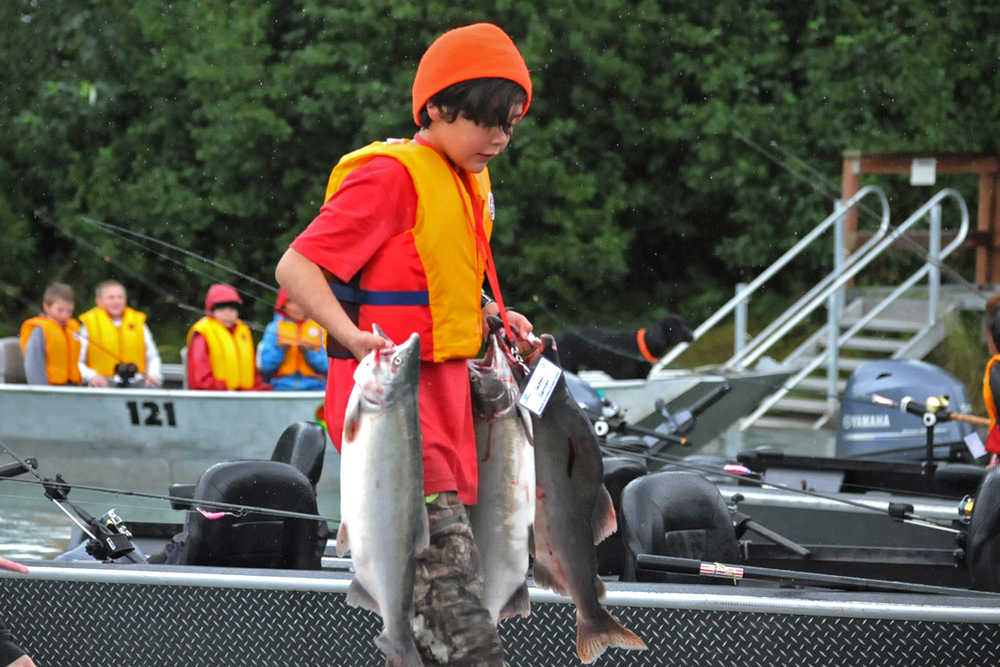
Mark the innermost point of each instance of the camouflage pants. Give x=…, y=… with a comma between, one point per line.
x=450, y=624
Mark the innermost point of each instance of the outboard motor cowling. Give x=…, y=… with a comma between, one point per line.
x=889, y=434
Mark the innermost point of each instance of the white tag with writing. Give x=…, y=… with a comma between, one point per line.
x=975, y=445
x=541, y=384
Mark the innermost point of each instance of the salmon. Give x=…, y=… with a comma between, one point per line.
x=503, y=517
x=383, y=515
x=573, y=513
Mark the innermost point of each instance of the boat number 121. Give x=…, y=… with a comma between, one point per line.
x=147, y=413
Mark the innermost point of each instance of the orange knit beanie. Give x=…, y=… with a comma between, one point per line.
x=477, y=51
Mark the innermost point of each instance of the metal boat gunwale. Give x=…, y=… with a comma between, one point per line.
x=895, y=606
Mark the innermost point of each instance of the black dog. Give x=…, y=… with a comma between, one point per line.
x=618, y=352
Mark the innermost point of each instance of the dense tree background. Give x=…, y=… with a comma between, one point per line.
x=631, y=189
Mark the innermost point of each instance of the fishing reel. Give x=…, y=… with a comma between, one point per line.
x=112, y=538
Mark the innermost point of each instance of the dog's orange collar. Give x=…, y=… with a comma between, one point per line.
x=640, y=340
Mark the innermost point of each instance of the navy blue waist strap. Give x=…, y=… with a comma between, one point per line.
x=380, y=297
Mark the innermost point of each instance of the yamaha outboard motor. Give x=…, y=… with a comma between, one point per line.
x=882, y=433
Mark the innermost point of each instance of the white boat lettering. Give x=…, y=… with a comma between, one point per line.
x=151, y=410
x=866, y=421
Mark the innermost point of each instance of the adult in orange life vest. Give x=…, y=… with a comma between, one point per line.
x=220, y=353
x=991, y=378
x=50, y=342
x=114, y=333
x=402, y=240
x=291, y=353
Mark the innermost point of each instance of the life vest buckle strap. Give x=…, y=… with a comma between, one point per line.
x=380, y=297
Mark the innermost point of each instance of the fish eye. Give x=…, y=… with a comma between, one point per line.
x=396, y=361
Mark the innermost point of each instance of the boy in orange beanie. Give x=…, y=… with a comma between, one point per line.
x=402, y=240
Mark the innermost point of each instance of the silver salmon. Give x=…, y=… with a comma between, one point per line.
x=503, y=517
x=573, y=512
x=382, y=510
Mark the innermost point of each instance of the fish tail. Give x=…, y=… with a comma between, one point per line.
x=399, y=651
x=594, y=635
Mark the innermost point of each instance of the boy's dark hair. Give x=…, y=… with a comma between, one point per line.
x=483, y=101
x=58, y=291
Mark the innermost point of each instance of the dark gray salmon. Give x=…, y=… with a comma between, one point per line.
x=573, y=512
x=503, y=516
x=383, y=515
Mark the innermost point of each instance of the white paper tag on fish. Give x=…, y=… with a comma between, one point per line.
x=975, y=445
x=541, y=384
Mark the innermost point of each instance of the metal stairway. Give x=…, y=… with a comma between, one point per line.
x=898, y=325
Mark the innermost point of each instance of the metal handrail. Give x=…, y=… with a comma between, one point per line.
x=792, y=381
x=789, y=254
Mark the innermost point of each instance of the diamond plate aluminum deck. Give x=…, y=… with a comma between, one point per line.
x=75, y=623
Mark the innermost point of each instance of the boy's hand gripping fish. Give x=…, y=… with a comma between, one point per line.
x=383, y=515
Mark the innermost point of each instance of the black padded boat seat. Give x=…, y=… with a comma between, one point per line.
x=618, y=472
x=675, y=514
x=983, y=550
x=303, y=445
x=257, y=539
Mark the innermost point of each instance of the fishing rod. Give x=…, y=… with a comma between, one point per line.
x=59, y=484
x=739, y=572
x=897, y=511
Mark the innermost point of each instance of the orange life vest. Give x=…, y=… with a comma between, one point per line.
x=993, y=436
x=297, y=335
x=62, y=348
x=107, y=344
x=428, y=278
x=230, y=352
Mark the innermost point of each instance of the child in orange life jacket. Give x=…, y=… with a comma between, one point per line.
x=403, y=241
x=991, y=377
x=50, y=342
x=220, y=353
x=113, y=333
x=291, y=351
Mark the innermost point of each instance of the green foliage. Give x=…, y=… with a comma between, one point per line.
x=629, y=191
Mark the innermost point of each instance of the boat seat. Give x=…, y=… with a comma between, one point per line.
x=677, y=514
x=302, y=445
x=11, y=361
x=256, y=539
x=983, y=549
x=618, y=472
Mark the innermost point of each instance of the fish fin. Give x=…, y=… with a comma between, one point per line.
x=605, y=521
x=358, y=596
x=599, y=588
x=399, y=652
x=544, y=578
x=343, y=543
x=595, y=635
x=352, y=417
x=525, y=418
x=518, y=604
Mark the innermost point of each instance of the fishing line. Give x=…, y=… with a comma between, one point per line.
x=172, y=260
x=39, y=481
x=124, y=230
x=170, y=298
x=761, y=483
x=829, y=189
